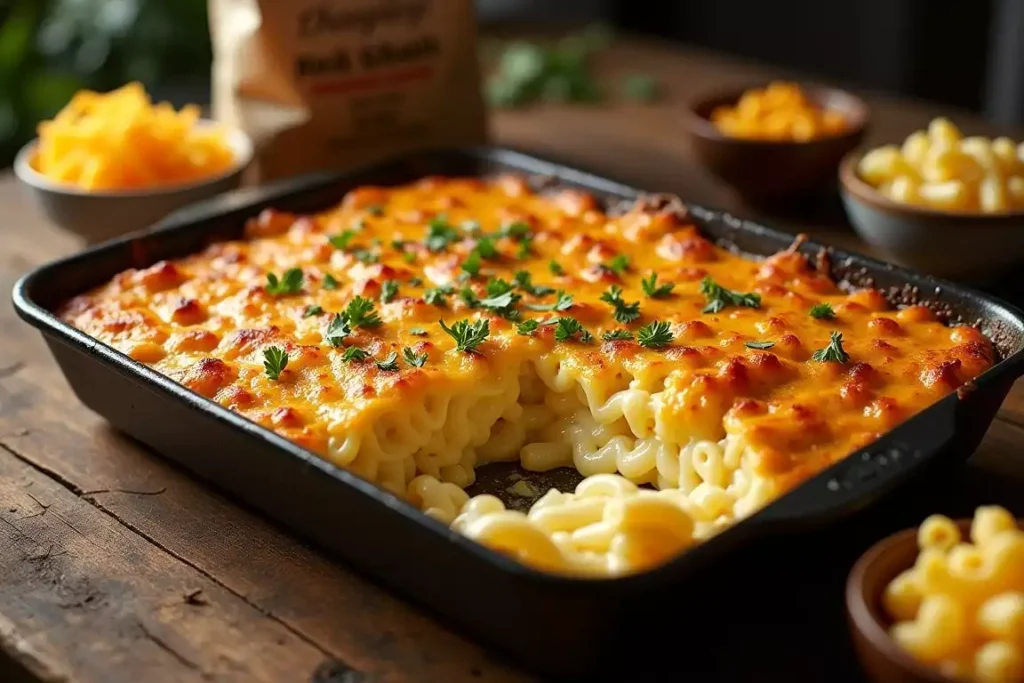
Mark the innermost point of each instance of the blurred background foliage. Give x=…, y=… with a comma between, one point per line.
x=51, y=48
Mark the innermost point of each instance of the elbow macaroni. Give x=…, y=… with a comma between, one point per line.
x=960, y=608
x=941, y=169
x=676, y=442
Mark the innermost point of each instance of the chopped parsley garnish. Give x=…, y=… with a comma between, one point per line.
x=337, y=330
x=275, y=360
x=418, y=332
x=290, y=282
x=653, y=289
x=718, y=297
x=468, y=335
x=525, y=248
x=503, y=304
x=367, y=256
x=613, y=335
x=390, y=363
x=759, y=344
x=437, y=296
x=471, y=227
x=563, y=302
x=398, y=245
x=485, y=247
x=440, y=234
x=329, y=282
x=375, y=210
x=417, y=360
x=619, y=264
x=471, y=266
x=469, y=297
x=517, y=230
x=556, y=268
x=524, y=283
x=497, y=287
x=822, y=312
x=655, y=335
x=311, y=310
x=833, y=352
x=415, y=282
x=409, y=256
x=360, y=313
x=354, y=353
x=527, y=327
x=388, y=291
x=342, y=239
x=567, y=328
x=624, y=313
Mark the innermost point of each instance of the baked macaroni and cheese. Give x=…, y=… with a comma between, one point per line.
x=413, y=334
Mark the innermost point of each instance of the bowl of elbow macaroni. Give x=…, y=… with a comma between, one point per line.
x=943, y=602
x=941, y=202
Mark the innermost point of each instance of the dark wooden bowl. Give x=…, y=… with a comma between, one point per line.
x=883, y=659
x=766, y=171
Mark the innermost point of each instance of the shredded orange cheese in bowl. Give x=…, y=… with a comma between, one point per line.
x=780, y=111
x=121, y=140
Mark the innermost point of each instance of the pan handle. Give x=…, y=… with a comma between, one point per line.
x=864, y=477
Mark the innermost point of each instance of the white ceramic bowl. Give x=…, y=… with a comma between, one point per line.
x=964, y=246
x=98, y=216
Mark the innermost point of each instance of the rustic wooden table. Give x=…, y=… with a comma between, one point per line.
x=117, y=567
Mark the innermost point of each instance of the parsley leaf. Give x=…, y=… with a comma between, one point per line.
x=517, y=230
x=471, y=265
x=563, y=302
x=485, y=247
x=527, y=327
x=342, y=239
x=759, y=344
x=415, y=282
x=497, y=287
x=437, y=296
x=337, y=330
x=311, y=310
x=619, y=264
x=653, y=289
x=275, y=360
x=655, y=335
x=417, y=360
x=613, y=335
x=822, y=312
x=624, y=313
x=567, y=328
x=833, y=352
x=440, y=234
x=329, y=282
x=718, y=297
x=360, y=313
x=354, y=353
x=290, y=282
x=409, y=256
x=555, y=267
x=418, y=332
x=388, y=291
x=468, y=297
x=367, y=256
x=525, y=248
x=522, y=278
x=390, y=363
x=503, y=304
x=468, y=335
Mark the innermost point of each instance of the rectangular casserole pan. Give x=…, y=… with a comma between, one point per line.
x=564, y=627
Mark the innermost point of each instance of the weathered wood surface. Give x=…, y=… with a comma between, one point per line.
x=116, y=566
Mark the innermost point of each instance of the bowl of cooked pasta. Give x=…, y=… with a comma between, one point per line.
x=778, y=141
x=940, y=202
x=942, y=602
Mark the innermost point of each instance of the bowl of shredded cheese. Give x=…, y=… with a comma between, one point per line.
x=111, y=163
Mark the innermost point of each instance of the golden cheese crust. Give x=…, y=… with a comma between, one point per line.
x=434, y=251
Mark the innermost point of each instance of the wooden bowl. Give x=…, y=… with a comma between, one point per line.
x=965, y=246
x=883, y=659
x=98, y=216
x=765, y=171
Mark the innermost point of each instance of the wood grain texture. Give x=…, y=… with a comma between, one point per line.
x=99, y=571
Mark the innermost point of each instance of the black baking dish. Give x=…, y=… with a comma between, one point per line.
x=560, y=626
